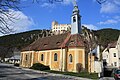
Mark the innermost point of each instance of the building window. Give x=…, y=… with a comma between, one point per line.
x=42, y=57
x=115, y=63
x=26, y=57
x=55, y=57
x=70, y=58
x=74, y=19
x=114, y=54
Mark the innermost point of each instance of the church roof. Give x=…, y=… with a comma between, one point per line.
x=56, y=42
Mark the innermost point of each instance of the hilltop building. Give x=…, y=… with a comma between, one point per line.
x=60, y=28
x=63, y=52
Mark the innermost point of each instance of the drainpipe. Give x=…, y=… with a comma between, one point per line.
x=62, y=59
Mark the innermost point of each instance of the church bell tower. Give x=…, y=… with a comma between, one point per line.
x=75, y=20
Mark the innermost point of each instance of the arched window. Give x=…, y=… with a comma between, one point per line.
x=70, y=58
x=26, y=57
x=42, y=57
x=55, y=57
x=74, y=19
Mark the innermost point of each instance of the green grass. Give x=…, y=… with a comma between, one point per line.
x=81, y=74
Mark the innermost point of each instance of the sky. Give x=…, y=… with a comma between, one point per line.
x=40, y=15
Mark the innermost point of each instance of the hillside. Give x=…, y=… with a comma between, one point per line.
x=106, y=36
x=20, y=40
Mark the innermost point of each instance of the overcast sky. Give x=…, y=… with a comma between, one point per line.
x=94, y=16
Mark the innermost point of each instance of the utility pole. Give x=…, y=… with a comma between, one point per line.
x=90, y=60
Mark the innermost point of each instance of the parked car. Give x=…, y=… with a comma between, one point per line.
x=117, y=74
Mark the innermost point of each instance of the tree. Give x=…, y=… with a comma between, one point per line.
x=101, y=1
x=7, y=15
x=5, y=6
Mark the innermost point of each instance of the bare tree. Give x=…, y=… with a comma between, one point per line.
x=7, y=15
x=101, y=1
x=5, y=6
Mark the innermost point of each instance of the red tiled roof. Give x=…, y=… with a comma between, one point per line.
x=56, y=42
x=76, y=40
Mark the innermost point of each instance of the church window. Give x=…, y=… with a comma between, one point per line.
x=42, y=57
x=26, y=57
x=55, y=57
x=74, y=19
x=70, y=58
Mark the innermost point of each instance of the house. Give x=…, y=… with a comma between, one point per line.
x=94, y=63
x=63, y=52
x=111, y=55
x=14, y=59
x=16, y=56
x=118, y=48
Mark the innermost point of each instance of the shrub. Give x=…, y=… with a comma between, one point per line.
x=39, y=66
x=16, y=64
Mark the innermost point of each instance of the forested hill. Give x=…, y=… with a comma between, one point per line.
x=107, y=35
x=20, y=40
x=9, y=42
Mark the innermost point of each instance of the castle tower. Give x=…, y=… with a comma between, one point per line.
x=75, y=20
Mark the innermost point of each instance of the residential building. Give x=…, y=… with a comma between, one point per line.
x=94, y=63
x=63, y=52
x=118, y=48
x=60, y=28
x=111, y=56
x=16, y=56
x=14, y=59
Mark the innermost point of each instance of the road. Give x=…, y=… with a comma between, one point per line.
x=9, y=72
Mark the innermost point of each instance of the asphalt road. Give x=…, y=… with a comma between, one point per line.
x=9, y=72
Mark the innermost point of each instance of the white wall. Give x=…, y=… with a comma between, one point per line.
x=118, y=47
x=109, y=57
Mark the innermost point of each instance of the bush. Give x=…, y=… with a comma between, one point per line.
x=39, y=66
x=16, y=64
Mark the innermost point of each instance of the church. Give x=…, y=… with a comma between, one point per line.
x=63, y=52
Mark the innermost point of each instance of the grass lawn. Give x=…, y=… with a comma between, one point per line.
x=81, y=74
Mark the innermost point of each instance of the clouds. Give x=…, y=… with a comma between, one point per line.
x=67, y=2
x=114, y=20
x=110, y=6
x=18, y=22
x=47, y=5
x=52, y=5
x=90, y=26
x=111, y=21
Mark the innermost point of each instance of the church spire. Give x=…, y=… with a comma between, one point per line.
x=74, y=3
x=75, y=19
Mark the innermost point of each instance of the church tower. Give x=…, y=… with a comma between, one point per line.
x=75, y=20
